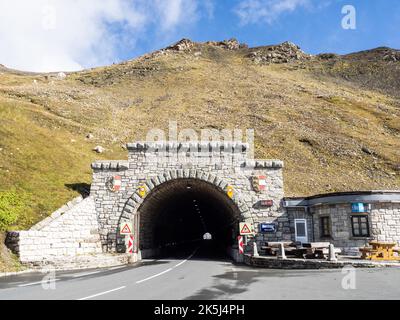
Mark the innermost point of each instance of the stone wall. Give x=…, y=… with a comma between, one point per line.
x=384, y=224
x=385, y=221
x=149, y=165
x=72, y=234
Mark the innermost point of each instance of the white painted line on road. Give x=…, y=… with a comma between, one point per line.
x=188, y=258
x=168, y=270
x=156, y=275
x=180, y=263
x=38, y=282
x=102, y=293
x=84, y=274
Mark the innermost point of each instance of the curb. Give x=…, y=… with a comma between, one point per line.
x=303, y=264
x=15, y=273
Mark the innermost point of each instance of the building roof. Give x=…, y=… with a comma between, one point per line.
x=344, y=197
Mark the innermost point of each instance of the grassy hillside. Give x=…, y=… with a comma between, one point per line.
x=8, y=261
x=334, y=120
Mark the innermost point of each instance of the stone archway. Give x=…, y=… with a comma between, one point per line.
x=168, y=192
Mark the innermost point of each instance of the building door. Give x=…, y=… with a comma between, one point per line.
x=300, y=226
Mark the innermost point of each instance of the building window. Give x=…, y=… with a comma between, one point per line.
x=360, y=226
x=325, y=227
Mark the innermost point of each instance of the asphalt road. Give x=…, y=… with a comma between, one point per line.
x=197, y=277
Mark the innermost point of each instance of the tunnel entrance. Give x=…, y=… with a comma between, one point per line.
x=177, y=214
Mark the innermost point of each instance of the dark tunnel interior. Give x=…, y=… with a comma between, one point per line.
x=179, y=214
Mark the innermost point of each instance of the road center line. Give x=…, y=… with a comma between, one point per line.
x=156, y=275
x=168, y=270
x=188, y=258
x=38, y=282
x=102, y=293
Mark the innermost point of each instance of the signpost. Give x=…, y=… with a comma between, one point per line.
x=240, y=243
x=267, y=227
x=126, y=229
x=130, y=244
x=359, y=207
x=266, y=203
x=246, y=229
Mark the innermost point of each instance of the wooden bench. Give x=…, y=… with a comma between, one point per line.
x=317, y=250
x=272, y=248
x=324, y=253
x=286, y=244
x=316, y=245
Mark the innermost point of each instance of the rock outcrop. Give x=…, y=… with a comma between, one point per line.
x=283, y=53
x=187, y=45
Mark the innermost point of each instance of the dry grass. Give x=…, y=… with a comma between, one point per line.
x=8, y=261
x=312, y=119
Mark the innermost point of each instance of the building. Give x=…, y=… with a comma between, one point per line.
x=349, y=220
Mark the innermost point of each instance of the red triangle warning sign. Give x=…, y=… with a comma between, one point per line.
x=245, y=229
x=126, y=229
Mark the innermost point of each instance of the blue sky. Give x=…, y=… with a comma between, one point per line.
x=75, y=34
x=315, y=29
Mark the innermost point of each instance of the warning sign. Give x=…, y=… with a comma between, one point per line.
x=245, y=228
x=125, y=228
x=130, y=244
x=240, y=244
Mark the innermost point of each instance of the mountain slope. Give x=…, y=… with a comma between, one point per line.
x=334, y=120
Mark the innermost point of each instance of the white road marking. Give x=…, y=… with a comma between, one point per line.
x=180, y=263
x=156, y=275
x=168, y=270
x=38, y=282
x=102, y=293
x=84, y=274
x=188, y=258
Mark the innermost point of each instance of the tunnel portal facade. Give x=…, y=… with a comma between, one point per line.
x=176, y=192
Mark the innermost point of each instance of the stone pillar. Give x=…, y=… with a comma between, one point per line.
x=332, y=255
x=282, y=254
x=255, y=250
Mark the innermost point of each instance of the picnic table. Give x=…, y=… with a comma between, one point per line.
x=272, y=248
x=315, y=250
x=380, y=251
x=312, y=250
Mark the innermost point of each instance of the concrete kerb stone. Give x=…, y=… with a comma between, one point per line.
x=295, y=263
x=16, y=273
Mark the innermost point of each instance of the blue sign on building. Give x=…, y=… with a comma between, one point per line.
x=267, y=227
x=359, y=207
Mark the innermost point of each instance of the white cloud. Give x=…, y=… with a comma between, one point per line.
x=172, y=11
x=253, y=11
x=52, y=35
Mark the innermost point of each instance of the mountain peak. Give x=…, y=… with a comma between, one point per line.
x=187, y=44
